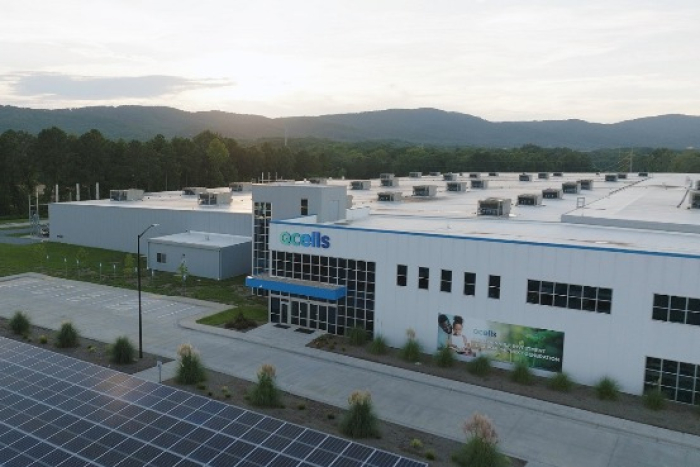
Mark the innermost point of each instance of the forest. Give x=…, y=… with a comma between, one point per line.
x=53, y=157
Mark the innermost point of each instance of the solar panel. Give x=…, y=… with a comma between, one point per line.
x=56, y=411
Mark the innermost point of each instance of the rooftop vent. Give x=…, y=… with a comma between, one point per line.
x=529, y=199
x=193, y=190
x=389, y=196
x=494, y=207
x=543, y=175
x=643, y=174
x=610, y=178
x=479, y=184
x=425, y=190
x=552, y=193
x=360, y=185
x=240, y=186
x=571, y=188
x=456, y=186
x=622, y=176
x=214, y=199
x=492, y=174
x=525, y=177
x=478, y=175
x=557, y=174
x=318, y=181
x=586, y=184
x=131, y=194
x=449, y=177
x=415, y=174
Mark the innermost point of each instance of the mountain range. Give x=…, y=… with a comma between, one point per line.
x=413, y=126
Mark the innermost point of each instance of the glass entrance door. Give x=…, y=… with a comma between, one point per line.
x=310, y=314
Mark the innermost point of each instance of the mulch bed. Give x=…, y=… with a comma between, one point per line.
x=675, y=416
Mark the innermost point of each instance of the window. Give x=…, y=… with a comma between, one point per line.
x=446, y=281
x=469, y=283
x=495, y=287
x=304, y=207
x=423, y=278
x=401, y=273
x=679, y=381
x=684, y=310
x=575, y=297
x=160, y=258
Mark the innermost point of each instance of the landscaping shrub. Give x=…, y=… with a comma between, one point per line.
x=20, y=324
x=607, y=389
x=67, y=336
x=444, y=357
x=241, y=322
x=481, y=448
x=265, y=393
x=522, y=374
x=654, y=399
x=560, y=382
x=360, y=421
x=411, y=350
x=357, y=336
x=190, y=370
x=378, y=346
x=480, y=366
x=122, y=351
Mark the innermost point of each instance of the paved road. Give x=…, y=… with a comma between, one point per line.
x=546, y=435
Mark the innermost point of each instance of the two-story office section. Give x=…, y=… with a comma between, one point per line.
x=592, y=300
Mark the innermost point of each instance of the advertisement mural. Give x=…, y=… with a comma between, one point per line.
x=508, y=343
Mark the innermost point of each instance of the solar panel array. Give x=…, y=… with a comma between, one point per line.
x=56, y=411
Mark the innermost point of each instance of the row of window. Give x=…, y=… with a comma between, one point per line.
x=575, y=297
x=469, y=284
x=679, y=381
x=675, y=309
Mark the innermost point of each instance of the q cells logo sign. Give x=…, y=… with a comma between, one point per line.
x=312, y=240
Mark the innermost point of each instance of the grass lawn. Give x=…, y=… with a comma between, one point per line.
x=112, y=268
x=13, y=221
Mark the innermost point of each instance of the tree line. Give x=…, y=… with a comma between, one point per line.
x=54, y=157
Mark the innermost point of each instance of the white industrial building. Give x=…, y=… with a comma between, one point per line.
x=595, y=282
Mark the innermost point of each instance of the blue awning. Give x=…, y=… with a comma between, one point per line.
x=297, y=287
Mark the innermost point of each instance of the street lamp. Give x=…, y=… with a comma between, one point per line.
x=138, y=273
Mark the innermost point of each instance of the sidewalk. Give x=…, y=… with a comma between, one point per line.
x=544, y=434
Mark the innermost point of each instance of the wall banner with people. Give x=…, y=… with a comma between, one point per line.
x=508, y=343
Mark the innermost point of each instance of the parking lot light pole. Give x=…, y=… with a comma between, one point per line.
x=138, y=273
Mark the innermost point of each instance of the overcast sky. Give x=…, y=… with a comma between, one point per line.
x=601, y=61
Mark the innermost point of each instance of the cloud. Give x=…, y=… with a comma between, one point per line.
x=103, y=88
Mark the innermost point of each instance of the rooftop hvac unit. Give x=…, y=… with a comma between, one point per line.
x=493, y=174
x=494, y=207
x=193, y=190
x=610, y=178
x=318, y=181
x=525, y=177
x=694, y=200
x=360, y=185
x=552, y=193
x=543, y=175
x=131, y=194
x=389, y=182
x=389, y=196
x=449, y=177
x=622, y=176
x=425, y=190
x=643, y=174
x=415, y=174
x=571, y=188
x=479, y=184
x=386, y=176
x=240, y=186
x=557, y=174
x=586, y=184
x=456, y=186
x=530, y=199
x=435, y=174
x=697, y=184
x=478, y=175
x=214, y=199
